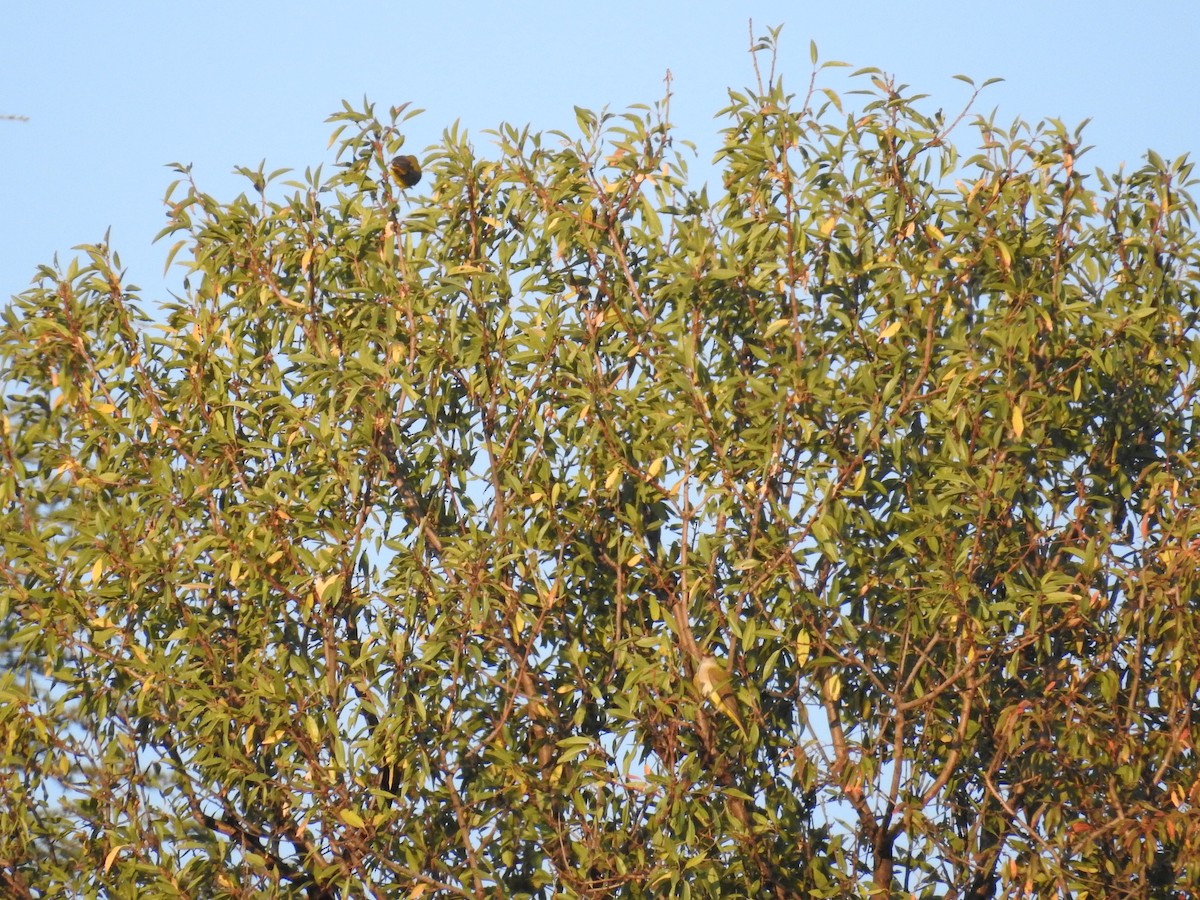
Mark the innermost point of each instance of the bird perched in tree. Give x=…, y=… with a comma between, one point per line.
x=712, y=681
x=406, y=170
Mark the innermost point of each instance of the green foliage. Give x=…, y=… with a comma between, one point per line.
x=380, y=561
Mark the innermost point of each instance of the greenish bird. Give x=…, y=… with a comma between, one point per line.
x=406, y=170
x=713, y=682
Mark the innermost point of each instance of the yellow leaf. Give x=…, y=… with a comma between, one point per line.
x=777, y=325
x=351, y=818
x=828, y=225
x=633, y=560
x=112, y=856
x=325, y=586
x=1018, y=421
x=97, y=570
x=860, y=478
x=613, y=479
x=833, y=687
x=803, y=648
x=1005, y=255
x=889, y=330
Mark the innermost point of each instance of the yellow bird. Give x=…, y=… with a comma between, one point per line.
x=712, y=681
x=406, y=170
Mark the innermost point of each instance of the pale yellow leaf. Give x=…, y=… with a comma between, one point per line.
x=833, y=687
x=614, y=478
x=325, y=586
x=1018, y=421
x=776, y=326
x=112, y=856
x=803, y=648
x=1005, y=255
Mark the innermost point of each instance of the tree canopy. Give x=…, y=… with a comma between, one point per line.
x=561, y=527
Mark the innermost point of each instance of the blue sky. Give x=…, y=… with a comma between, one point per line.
x=114, y=92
